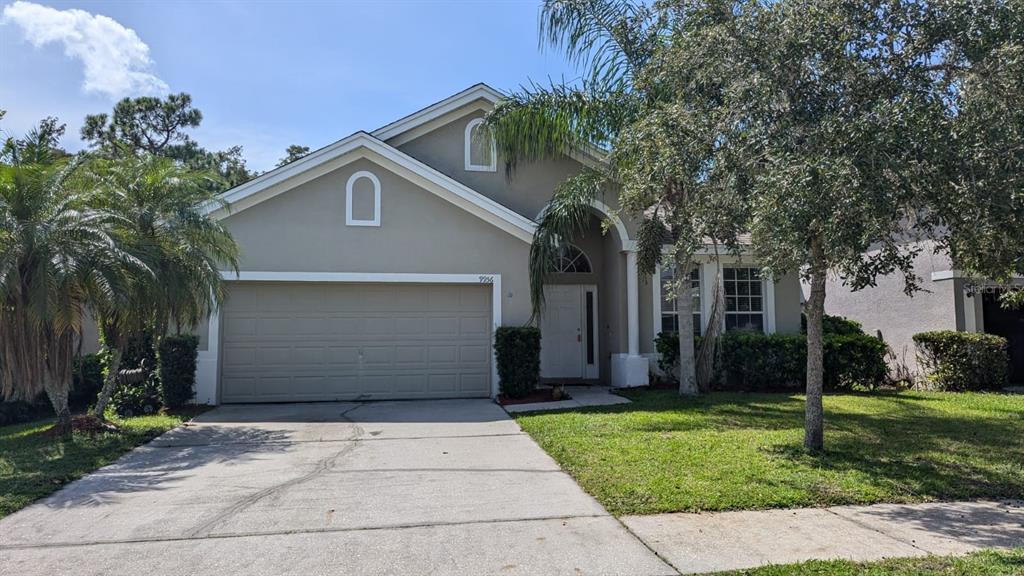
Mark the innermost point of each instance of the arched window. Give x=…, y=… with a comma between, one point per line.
x=481, y=154
x=362, y=200
x=572, y=260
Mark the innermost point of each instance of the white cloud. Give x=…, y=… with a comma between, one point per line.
x=115, y=59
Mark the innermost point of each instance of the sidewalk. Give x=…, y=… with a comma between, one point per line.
x=711, y=542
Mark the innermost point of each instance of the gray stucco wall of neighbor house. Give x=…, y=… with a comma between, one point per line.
x=303, y=230
x=885, y=308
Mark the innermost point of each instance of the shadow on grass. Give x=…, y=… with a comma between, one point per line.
x=898, y=447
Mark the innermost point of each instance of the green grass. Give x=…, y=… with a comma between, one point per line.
x=722, y=451
x=986, y=563
x=33, y=465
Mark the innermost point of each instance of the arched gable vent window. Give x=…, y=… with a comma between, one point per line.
x=572, y=260
x=481, y=153
x=362, y=199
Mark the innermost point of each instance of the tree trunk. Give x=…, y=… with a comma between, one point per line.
x=109, y=383
x=708, y=352
x=684, y=311
x=814, y=412
x=57, y=392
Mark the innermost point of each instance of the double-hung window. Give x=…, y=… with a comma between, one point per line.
x=669, y=308
x=744, y=299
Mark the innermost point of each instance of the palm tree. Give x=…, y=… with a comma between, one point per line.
x=160, y=205
x=55, y=251
x=618, y=104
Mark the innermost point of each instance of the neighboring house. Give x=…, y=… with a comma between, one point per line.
x=378, y=268
x=947, y=301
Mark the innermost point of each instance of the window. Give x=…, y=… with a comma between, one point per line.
x=572, y=260
x=669, y=312
x=481, y=154
x=744, y=299
x=362, y=200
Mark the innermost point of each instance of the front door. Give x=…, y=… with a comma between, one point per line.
x=568, y=332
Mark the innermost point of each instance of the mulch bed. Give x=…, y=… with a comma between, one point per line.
x=86, y=425
x=538, y=395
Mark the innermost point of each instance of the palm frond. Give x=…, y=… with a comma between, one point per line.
x=610, y=39
x=567, y=215
x=540, y=123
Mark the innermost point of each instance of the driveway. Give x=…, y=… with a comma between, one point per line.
x=438, y=487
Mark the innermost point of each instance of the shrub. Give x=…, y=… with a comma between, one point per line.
x=18, y=411
x=753, y=361
x=837, y=325
x=176, y=363
x=854, y=361
x=667, y=345
x=136, y=399
x=959, y=361
x=517, y=349
x=87, y=380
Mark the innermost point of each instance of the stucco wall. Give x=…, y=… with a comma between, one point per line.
x=303, y=230
x=885, y=308
x=528, y=189
x=787, y=304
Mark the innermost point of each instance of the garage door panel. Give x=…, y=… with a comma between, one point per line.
x=305, y=341
x=475, y=383
x=471, y=326
x=473, y=355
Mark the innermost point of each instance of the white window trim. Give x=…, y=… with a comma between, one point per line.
x=659, y=310
x=707, y=272
x=582, y=254
x=493, y=165
x=349, y=220
x=767, y=298
x=208, y=361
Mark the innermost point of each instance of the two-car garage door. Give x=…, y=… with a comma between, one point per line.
x=295, y=342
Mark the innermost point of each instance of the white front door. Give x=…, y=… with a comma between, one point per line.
x=566, y=332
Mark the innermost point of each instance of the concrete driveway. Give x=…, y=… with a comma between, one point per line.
x=438, y=487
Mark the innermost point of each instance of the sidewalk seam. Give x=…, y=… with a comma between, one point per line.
x=876, y=530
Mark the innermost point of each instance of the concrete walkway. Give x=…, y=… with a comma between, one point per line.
x=695, y=543
x=442, y=488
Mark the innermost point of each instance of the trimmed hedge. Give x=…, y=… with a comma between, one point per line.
x=839, y=325
x=962, y=361
x=176, y=362
x=517, y=349
x=667, y=345
x=19, y=411
x=87, y=380
x=751, y=361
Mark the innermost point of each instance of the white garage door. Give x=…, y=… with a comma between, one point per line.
x=297, y=342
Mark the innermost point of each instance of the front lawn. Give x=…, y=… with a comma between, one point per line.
x=987, y=563
x=731, y=451
x=33, y=465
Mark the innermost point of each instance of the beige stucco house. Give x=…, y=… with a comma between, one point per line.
x=378, y=268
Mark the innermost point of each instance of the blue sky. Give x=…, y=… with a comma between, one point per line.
x=265, y=74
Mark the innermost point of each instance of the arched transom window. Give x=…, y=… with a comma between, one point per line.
x=572, y=260
x=481, y=155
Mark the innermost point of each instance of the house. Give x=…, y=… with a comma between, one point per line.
x=378, y=268
x=948, y=300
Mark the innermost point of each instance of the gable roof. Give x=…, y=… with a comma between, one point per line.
x=476, y=92
x=363, y=145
